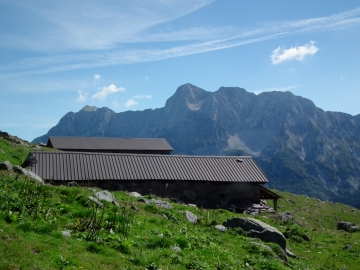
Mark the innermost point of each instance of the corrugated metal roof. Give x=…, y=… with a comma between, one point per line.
x=108, y=143
x=78, y=166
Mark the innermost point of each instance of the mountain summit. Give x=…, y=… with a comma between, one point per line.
x=301, y=148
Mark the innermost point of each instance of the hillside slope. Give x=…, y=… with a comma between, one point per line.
x=47, y=227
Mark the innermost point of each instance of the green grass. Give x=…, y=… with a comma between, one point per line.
x=138, y=236
x=16, y=153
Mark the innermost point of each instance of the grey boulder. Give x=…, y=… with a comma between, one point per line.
x=29, y=174
x=106, y=196
x=191, y=217
x=159, y=203
x=6, y=166
x=259, y=229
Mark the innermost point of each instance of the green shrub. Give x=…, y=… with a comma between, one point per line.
x=95, y=248
x=151, y=208
x=124, y=247
x=45, y=228
x=158, y=242
x=182, y=242
x=25, y=226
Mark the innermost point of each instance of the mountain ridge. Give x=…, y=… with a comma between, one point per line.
x=300, y=147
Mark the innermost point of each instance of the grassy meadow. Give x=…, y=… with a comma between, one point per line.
x=56, y=227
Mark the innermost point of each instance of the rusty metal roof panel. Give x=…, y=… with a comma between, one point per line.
x=80, y=166
x=108, y=143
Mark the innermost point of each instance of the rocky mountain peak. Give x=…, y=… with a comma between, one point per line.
x=300, y=147
x=88, y=108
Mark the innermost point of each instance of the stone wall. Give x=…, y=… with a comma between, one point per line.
x=205, y=194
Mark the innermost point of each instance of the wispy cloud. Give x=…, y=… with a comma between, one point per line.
x=82, y=96
x=229, y=38
x=91, y=25
x=107, y=90
x=97, y=77
x=133, y=102
x=130, y=102
x=295, y=53
x=142, y=97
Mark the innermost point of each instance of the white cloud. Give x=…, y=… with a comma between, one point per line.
x=82, y=97
x=115, y=103
x=142, y=97
x=105, y=91
x=130, y=103
x=146, y=78
x=295, y=53
x=133, y=102
x=97, y=77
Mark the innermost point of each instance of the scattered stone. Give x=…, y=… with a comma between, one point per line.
x=354, y=228
x=348, y=226
x=135, y=194
x=192, y=205
x=191, y=217
x=291, y=201
x=286, y=216
x=73, y=184
x=176, y=200
x=159, y=203
x=95, y=200
x=29, y=174
x=221, y=228
x=6, y=165
x=133, y=207
x=38, y=148
x=176, y=249
x=256, y=208
x=66, y=234
x=251, y=211
x=106, y=196
x=290, y=254
x=164, y=216
x=347, y=247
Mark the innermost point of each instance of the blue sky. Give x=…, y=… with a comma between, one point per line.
x=58, y=56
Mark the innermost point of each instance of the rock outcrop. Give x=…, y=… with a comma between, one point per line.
x=301, y=148
x=259, y=229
